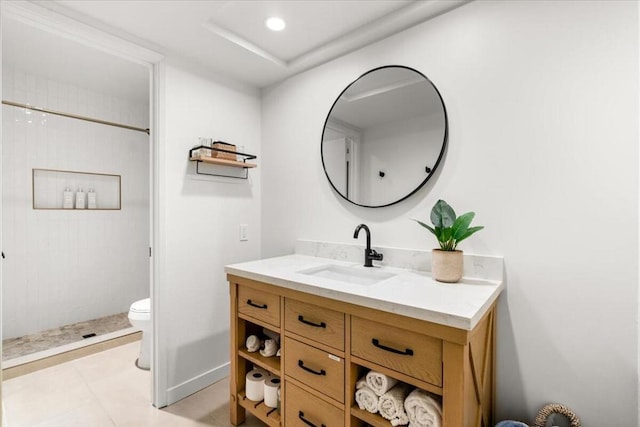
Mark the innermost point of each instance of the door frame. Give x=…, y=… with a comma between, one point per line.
x=353, y=137
x=61, y=25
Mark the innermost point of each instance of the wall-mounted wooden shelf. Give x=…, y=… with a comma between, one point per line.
x=221, y=159
x=223, y=162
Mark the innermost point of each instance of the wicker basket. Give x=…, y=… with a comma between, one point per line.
x=556, y=408
x=221, y=154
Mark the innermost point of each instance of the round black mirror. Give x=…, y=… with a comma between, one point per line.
x=384, y=136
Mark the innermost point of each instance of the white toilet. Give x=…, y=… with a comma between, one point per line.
x=140, y=317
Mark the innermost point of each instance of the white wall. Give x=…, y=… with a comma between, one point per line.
x=543, y=105
x=64, y=267
x=200, y=222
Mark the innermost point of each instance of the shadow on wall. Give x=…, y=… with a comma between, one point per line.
x=507, y=365
x=207, y=186
x=514, y=402
x=202, y=362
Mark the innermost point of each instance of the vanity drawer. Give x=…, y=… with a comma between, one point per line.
x=318, y=369
x=416, y=355
x=314, y=322
x=303, y=409
x=259, y=305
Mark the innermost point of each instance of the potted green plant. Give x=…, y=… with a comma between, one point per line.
x=446, y=262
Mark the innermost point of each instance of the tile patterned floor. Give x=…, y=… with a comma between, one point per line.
x=106, y=389
x=45, y=340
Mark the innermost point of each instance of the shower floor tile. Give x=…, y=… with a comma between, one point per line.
x=45, y=340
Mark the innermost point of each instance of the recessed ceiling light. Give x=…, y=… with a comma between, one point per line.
x=275, y=24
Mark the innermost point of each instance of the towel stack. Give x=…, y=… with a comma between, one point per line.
x=397, y=402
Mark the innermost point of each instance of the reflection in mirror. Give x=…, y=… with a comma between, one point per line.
x=384, y=136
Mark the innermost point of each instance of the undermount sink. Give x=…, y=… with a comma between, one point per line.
x=356, y=274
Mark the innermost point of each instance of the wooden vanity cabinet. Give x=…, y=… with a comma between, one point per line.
x=327, y=345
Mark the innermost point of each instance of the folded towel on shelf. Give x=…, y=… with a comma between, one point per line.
x=270, y=348
x=253, y=343
x=380, y=383
x=422, y=409
x=391, y=405
x=366, y=399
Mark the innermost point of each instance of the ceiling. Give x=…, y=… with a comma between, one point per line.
x=29, y=49
x=229, y=38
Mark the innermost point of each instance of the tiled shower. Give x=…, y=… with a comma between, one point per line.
x=66, y=266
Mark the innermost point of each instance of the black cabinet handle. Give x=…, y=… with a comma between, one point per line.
x=306, y=322
x=301, y=364
x=306, y=421
x=253, y=304
x=407, y=352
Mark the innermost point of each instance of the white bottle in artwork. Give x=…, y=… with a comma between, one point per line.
x=80, y=199
x=67, y=198
x=92, y=199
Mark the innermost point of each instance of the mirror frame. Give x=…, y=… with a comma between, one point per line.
x=435, y=166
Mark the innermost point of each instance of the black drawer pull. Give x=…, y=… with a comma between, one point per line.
x=407, y=352
x=306, y=421
x=306, y=322
x=301, y=364
x=253, y=304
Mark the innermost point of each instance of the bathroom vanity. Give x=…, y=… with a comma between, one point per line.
x=337, y=320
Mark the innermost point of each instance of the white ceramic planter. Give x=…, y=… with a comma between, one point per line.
x=446, y=266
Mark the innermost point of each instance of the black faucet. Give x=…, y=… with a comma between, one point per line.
x=369, y=254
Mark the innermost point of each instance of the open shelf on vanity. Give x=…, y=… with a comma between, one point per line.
x=258, y=322
x=246, y=361
x=267, y=415
x=367, y=418
x=256, y=327
x=361, y=417
x=271, y=364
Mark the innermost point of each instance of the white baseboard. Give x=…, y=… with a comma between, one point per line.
x=196, y=384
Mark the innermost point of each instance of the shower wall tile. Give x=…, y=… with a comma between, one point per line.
x=65, y=267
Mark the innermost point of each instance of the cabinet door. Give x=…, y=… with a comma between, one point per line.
x=314, y=322
x=417, y=355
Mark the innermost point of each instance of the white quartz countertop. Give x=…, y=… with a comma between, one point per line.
x=408, y=292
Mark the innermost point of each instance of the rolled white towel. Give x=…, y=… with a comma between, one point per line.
x=391, y=405
x=423, y=410
x=380, y=383
x=253, y=343
x=270, y=334
x=366, y=399
x=270, y=348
